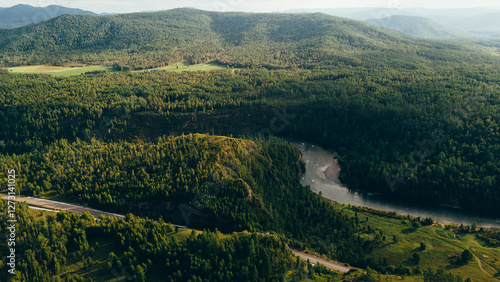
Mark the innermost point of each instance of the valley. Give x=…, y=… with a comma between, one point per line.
x=182, y=118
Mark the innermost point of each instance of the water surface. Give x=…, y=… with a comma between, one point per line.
x=318, y=160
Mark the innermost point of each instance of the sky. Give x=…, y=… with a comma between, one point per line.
x=128, y=6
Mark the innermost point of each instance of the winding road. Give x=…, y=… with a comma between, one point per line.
x=54, y=205
x=49, y=205
x=43, y=204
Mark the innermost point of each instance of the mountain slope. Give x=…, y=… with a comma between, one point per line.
x=416, y=26
x=21, y=15
x=144, y=40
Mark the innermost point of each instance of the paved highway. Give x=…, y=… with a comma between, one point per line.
x=38, y=203
x=43, y=204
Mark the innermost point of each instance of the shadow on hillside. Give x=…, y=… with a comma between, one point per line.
x=453, y=266
x=408, y=230
x=410, y=262
x=417, y=250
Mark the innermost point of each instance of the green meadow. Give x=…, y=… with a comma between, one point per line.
x=57, y=70
x=77, y=70
x=184, y=66
x=443, y=245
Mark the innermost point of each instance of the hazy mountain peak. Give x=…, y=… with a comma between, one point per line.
x=416, y=26
x=22, y=14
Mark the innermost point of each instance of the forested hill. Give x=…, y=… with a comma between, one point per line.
x=144, y=40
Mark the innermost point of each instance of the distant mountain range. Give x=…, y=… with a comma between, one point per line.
x=417, y=26
x=21, y=15
x=475, y=21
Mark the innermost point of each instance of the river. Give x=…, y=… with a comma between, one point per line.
x=319, y=160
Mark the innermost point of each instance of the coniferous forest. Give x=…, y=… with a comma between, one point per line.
x=415, y=120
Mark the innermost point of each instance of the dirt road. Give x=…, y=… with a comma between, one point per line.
x=482, y=268
x=327, y=263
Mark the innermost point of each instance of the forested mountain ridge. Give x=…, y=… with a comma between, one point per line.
x=144, y=40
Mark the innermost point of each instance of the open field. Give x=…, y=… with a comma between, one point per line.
x=68, y=71
x=184, y=66
x=57, y=70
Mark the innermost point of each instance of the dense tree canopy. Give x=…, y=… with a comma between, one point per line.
x=409, y=118
x=418, y=134
x=144, y=250
x=146, y=40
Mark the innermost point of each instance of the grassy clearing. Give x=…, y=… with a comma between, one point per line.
x=77, y=70
x=184, y=66
x=57, y=70
x=443, y=246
